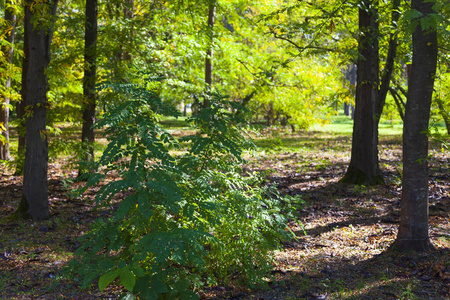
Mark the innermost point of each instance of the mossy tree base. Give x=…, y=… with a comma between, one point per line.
x=22, y=211
x=358, y=177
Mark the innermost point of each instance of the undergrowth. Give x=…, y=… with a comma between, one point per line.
x=185, y=221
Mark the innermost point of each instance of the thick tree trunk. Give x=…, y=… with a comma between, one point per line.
x=370, y=98
x=90, y=77
x=34, y=89
x=364, y=168
x=209, y=51
x=413, y=229
x=10, y=18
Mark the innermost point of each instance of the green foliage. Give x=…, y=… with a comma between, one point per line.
x=183, y=221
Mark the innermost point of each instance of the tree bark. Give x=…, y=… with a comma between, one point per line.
x=413, y=230
x=37, y=42
x=20, y=112
x=363, y=168
x=10, y=18
x=444, y=113
x=390, y=59
x=398, y=102
x=90, y=78
x=209, y=51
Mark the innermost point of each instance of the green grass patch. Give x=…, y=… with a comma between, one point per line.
x=172, y=123
x=342, y=124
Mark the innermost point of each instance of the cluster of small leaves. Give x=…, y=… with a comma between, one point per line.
x=184, y=221
x=218, y=131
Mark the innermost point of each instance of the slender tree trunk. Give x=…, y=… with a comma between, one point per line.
x=21, y=129
x=413, y=229
x=128, y=13
x=20, y=112
x=121, y=60
x=270, y=114
x=364, y=168
x=398, y=102
x=390, y=59
x=247, y=98
x=445, y=115
x=209, y=51
x=34, y=89
x=90, y=76
x=10, y=18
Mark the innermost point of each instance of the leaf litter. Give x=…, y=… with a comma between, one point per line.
x=340, y=249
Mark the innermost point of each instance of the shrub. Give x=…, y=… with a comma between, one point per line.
x=185, y=220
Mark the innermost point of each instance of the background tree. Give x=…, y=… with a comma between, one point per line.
x=9, y=31
x=413, y=229
x=363, y=168
x=444, y=113
x=89, y=81
x=38, y=28
x=210, y=51
x=286, y=50
x=371, y=93
x=442, y=100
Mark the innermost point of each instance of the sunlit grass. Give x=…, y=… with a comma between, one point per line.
x=343, y=125
x=173, y=123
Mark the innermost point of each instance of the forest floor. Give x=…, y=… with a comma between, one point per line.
x=340, y=253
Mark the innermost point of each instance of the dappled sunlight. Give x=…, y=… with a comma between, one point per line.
x=341, y=245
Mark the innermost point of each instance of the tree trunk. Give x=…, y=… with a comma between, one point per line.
x=20, y=112
x=270, y=114
x=398, y=102
x=445, y=115
x=90, y=76
x=390, y=59
x=209, y=51
x=121, y=60
x=37, y=40
x=10, y=18
x=413, y=229
x=364, y=168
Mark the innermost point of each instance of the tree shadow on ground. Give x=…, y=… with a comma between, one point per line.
x=346, y=253
x=389, y=275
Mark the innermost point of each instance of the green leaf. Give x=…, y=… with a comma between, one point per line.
x=182, y=285
x=188, y=295
x=143, y=288
x=106, y=279
x=128, y=296
x=138, y=271
x=127, y=279
x=158, y=286
x=412, y=14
